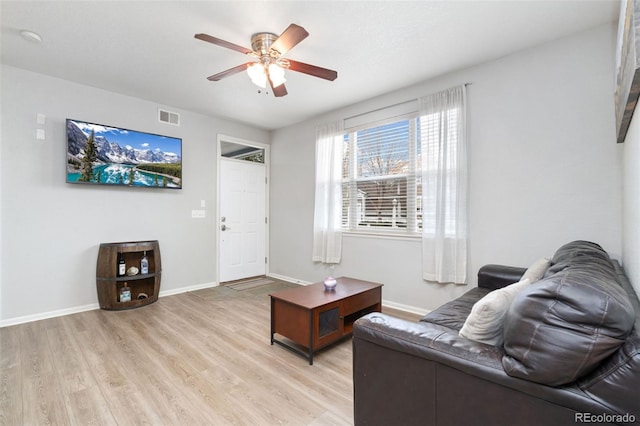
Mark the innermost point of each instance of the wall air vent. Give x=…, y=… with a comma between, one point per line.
x=169, y=117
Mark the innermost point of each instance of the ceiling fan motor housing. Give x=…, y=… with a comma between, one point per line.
x=261, y=44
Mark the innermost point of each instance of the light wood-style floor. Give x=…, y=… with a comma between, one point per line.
x=197, y=358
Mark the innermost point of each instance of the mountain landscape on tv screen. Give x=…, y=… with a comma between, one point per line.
x=120, y=163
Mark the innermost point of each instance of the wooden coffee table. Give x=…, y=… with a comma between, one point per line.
x=312, y=317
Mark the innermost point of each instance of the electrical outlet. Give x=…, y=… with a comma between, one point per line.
x=198, y=214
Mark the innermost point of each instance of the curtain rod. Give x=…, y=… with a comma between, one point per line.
x=388, y=106
x=380, y=109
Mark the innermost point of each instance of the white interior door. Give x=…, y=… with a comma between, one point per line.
x=242, y=224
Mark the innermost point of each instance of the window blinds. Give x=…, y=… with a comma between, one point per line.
x=381, y=182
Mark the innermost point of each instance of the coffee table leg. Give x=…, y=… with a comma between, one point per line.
x=272, y=320
x=311, y=337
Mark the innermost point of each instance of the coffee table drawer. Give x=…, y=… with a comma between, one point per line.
x=361, y=301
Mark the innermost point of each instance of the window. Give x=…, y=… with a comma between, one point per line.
x=381, y=189
x=372, y=180
x=383, y=174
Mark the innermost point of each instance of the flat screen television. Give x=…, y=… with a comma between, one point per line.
x=107, y=155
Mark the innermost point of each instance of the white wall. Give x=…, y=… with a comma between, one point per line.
x=544, y=170
x=631, y=203
x=1, y=97
x=51, y=230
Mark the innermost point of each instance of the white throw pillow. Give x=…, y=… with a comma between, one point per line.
x=536, y=271
x=486, y=320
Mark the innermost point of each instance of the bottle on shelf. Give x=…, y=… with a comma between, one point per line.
x=144, y=264
x=125, y=293
x=122, y=267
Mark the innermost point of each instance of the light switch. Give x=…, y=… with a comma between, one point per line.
x=41, y=118
x=203, y=204
x=40, y=134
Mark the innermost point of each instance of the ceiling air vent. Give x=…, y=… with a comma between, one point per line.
x=169, y=117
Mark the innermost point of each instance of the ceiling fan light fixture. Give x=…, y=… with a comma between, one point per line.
x=276, y=75
x=257, y=74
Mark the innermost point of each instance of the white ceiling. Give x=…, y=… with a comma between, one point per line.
x=146, y=49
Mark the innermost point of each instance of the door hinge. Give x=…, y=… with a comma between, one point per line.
x=265, y=221
x=265, y=180
x=265, y=260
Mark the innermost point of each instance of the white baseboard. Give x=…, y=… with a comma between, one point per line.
x=186, y=289
x=289, y=279
x=406, y=308
x=77, y=309
x=50, y=314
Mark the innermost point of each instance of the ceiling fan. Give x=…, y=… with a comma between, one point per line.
x=268, y=49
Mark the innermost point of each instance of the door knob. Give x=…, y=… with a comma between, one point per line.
x=224, y=227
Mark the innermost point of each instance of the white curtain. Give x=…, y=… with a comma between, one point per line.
x=444, y=186
x=327, y=234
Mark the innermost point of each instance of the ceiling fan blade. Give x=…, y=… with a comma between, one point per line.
x=313, y=70
x=278, y=91
x=293, y=35
x=230, y=71
x=223, y=43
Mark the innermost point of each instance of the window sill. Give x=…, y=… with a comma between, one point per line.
x=382, y=235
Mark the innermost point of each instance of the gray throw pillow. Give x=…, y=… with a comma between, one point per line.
x=536, y=271
x=485, y=322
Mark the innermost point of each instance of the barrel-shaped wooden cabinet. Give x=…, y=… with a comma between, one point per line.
x=141, y=288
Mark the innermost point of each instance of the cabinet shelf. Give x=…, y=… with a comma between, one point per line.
x=109, y=284
x=127, y=278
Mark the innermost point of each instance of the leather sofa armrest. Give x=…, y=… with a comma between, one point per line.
x=497, y=276
x=429, y=341
x=421, y=344
x=405, y=372
x=396, y=365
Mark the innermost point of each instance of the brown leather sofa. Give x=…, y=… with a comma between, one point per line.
x=571, y=353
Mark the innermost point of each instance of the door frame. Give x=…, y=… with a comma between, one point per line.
x=224, y=138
